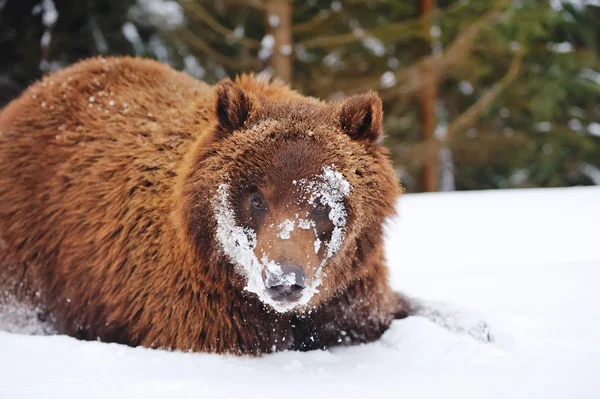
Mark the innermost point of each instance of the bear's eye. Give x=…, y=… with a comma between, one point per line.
x=258, y=202
x=319, y=208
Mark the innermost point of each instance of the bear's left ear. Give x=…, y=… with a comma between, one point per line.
x=233, y=107
x=361, y=117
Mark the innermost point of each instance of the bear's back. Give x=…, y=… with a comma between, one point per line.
x=88, y=158
x=97, y=105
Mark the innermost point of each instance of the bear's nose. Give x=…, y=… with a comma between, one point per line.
x=289, y=292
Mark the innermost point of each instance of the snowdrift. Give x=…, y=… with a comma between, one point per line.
x=526, y=261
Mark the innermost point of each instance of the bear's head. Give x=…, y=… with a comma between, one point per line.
x=286, y=196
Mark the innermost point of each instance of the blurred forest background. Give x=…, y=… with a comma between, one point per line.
x=478, y=94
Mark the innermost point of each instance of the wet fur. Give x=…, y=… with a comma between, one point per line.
x=106, y=221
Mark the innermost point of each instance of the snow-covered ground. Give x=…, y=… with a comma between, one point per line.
x=526, y=261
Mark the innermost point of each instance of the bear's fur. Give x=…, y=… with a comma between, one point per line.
x=109, y=171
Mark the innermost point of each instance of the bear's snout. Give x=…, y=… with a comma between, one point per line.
x=289, y=285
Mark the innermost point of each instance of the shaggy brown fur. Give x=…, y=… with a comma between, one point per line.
x=108, y=172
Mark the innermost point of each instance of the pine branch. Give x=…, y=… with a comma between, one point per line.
x=469, y=117
x=313, y=23
x=400, y=29
x=410, y=80
x=194, y=9
x=196, y=42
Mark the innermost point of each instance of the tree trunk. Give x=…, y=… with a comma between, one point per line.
x=427, y=99
x=279, y=25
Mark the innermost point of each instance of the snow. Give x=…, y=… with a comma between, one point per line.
x=393, y=63
x=46, y=38
x=465, y=87
x=543, y=126
x=332, y=59
x=594, y=129
x=159, y=49
x=526, y=261
x=564, y=47
x=578, y=4
x=592, y=172
x=131, y=34
x=285, y=229
x=239, y=243
x=266, y=47
x=286, y=49
x=49, y=13
x=239, y=31
x=591, y=75
x=163, y=14
x=575, y=124
x=193, y=67
x=387, y=80
x=374, y=45
x=273, y=20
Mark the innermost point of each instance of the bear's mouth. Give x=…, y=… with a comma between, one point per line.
x=285, y=293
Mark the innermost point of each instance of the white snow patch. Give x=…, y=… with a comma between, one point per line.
x=590, y=171
x=374, y=45
x=163, y=14
x=159, y=49
x=46, y=39
x=331, y=189
x=578, y=4
x=131, y=34
x=193, y=67
x=266, y=47
x=393, y=63
x=519, y=177
x=49, y=13
x=332, y=59
x=22, y=319
x=465, y=87
x=239, y=31
x=543, y=126
x=317, y=245
x=594, y=129
x=276, y=276
x=357, y=29
x=239, y=243
x=591, y=75
x=387, y=80
x=575, y=124
x=273, y=20
x=285, y=229
x=564, y=47
x=286, y=49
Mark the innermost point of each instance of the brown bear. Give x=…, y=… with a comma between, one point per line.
x=144, y=207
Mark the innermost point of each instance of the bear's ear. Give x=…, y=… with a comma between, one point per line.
x=361, y=117
x=232, y=108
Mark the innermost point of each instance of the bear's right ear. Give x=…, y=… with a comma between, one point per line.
x=233, y=107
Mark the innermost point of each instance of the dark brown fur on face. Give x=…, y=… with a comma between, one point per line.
x=108, y=175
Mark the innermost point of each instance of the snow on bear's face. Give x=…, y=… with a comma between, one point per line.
x=281, y=236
